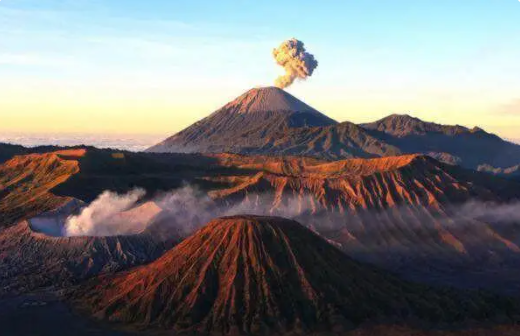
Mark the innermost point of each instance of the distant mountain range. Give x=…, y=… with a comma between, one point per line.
x=270, y=121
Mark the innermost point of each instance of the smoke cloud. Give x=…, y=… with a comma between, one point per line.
x=178, y=213
x=491, y=211
x=103, y=216
x=182, y=211
x=175, y=213
x=296, y=61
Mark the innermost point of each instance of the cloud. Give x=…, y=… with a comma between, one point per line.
x=129, y=142
x=103, y=217
x=490, y=211
x=175, y=213
x=179, y=212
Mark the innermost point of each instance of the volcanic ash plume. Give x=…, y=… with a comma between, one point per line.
x=297, y=62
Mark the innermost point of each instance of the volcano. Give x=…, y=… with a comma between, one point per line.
x=271, y=121
x=264, y=275
x=249, y=121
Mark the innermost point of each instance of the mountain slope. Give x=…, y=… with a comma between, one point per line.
x=340, y=141
x=411, y=214
x=401, y=125
x=264, y=275
x=469, y=147
x=29, y=257
x=248, y=121
x=7, y=151
x=25, y=182
x=271, y=121
x=363, y=184
x=31, y=260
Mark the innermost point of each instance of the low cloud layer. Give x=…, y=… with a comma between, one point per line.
x=490, y=211
x=180, y=212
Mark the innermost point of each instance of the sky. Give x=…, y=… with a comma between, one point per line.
x=156, y=66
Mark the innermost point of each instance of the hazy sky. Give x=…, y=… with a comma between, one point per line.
x=157, y=66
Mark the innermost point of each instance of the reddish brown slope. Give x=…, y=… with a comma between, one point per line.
x=30, y=260
x=260, y=275
x=398, y=212
x=410, y=214
x=364, y=183
x=25, y=182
